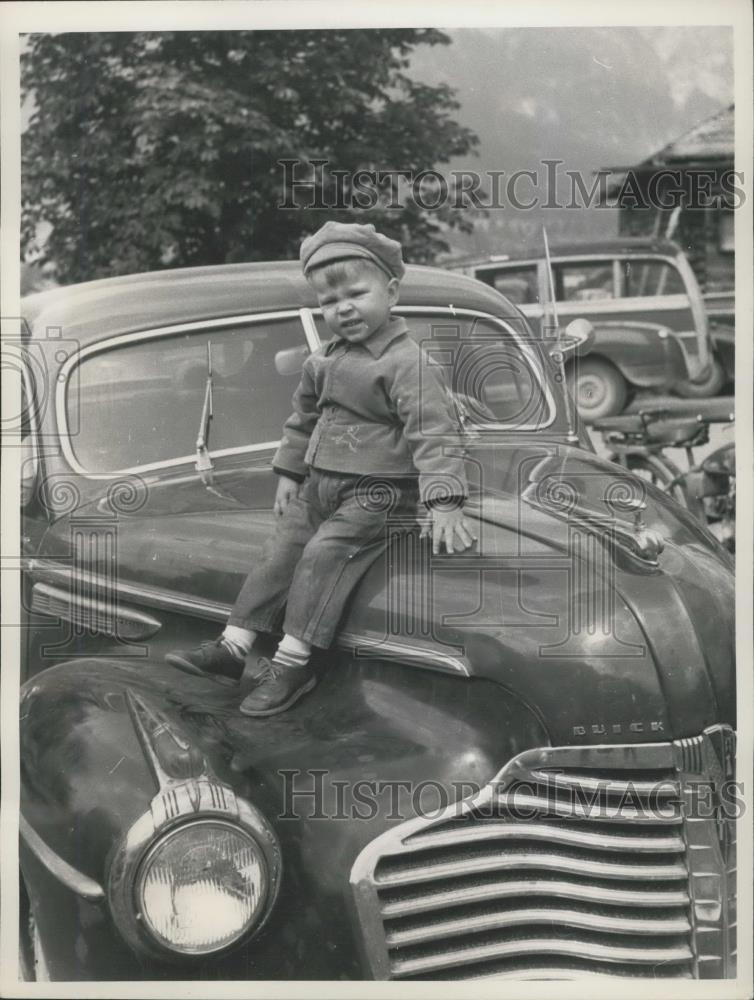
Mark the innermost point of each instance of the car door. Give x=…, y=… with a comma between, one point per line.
x=156, y=549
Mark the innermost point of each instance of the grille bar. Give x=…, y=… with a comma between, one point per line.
x=675, y=925
x=516, y=860
x=575, y=970
x=550, y=833
x=521, y=804
x=578, y=782
x=541, y=946
x=578, y=891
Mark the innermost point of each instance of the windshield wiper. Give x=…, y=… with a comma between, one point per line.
x=203, y=464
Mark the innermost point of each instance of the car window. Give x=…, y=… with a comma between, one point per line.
x=651, y=277
x=585, y=281
x=486, y=367
x=518, y=284
x=141, y=402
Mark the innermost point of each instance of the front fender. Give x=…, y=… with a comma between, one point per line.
x=87, y=780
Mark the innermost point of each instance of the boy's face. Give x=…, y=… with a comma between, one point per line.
x=355, y=298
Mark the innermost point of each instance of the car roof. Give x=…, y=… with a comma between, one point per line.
x=574, y=248
x=112, y=306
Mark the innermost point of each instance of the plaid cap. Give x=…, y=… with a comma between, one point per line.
x=341, y=240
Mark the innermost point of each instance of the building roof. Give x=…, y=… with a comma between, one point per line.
x=710, y=139
x=710, y=142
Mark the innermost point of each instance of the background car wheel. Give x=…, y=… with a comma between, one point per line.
x=711, y=386
x=600, y=390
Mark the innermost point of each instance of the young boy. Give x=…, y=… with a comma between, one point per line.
x=367, y=417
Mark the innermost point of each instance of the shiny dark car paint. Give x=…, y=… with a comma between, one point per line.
x=499, y=615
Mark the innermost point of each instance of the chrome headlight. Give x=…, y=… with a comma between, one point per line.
x=201, y=887
x=197, y=879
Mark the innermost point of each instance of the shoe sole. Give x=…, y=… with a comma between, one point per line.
x=189, y=668
x=304, y=689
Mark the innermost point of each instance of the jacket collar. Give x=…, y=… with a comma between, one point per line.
x=377, y=344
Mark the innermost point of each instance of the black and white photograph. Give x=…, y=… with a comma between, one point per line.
x=377, y=390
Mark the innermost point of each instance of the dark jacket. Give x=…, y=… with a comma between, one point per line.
x=378, y=408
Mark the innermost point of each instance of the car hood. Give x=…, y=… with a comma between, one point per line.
x=607, y=631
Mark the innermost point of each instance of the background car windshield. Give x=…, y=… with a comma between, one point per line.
x=517, y=284
x=141, y=403
x=584, y=282
x=651, y=277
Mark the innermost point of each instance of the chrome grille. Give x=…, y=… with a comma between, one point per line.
x=566, y=865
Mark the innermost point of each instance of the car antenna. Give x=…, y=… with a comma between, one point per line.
x=552, y=308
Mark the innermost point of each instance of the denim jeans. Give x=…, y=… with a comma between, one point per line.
x=323, y=543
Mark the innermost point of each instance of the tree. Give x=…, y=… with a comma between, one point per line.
x=150, y=150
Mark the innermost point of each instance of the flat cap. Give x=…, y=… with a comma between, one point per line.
x=341, y=240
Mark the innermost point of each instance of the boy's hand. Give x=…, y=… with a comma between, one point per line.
x=451, y=527
x=287, y=490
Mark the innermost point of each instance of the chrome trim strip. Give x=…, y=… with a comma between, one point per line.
x=69, y=876
x=392, y=649
x=310, y=328
x=153, y=334
x=216, y=611
x=152, y=596
x=85, y=610
x=169, y=463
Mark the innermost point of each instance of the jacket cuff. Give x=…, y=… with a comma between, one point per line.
x=295, y=476
x=451, y=502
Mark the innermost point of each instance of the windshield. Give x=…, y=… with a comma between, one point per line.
x=498, y=378
x=139, y=403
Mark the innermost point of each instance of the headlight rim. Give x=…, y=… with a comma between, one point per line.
x=130, y=851
x=157, y=844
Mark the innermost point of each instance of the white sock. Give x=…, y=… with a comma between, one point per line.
x=293, y=652
x=238, y=641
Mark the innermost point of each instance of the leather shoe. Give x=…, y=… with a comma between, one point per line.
x=210, y=659
x=279, y=688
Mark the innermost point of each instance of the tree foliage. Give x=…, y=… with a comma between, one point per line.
x=150, y=150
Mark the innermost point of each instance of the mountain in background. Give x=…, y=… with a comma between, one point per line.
x=591, y=97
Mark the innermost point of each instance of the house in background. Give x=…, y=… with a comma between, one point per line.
x=705, y=233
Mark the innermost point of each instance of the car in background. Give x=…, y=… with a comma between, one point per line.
x=494, y=776
x=634, y=291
